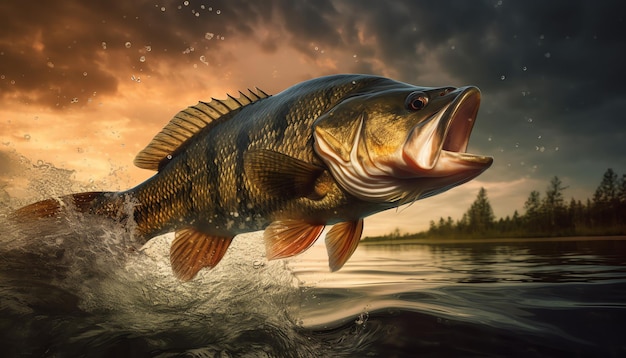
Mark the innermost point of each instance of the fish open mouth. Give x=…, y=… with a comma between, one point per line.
x=431, y=160
x=437, y=147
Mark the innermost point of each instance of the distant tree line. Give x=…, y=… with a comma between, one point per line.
x=544, y=215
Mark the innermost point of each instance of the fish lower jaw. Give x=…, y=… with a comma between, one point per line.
x=453, y=163
x=447, y=163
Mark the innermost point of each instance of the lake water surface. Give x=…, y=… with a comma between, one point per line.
x=83, y=292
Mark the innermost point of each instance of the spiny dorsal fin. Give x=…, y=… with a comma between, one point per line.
x=285, y=238
x=192, y=250
x=341, y=241
x=188, y=123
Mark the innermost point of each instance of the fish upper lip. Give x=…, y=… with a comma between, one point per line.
x=438, y=147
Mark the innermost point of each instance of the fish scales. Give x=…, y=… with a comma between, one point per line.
x=328, y=151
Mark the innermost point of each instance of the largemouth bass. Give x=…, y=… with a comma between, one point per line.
x=328, y=151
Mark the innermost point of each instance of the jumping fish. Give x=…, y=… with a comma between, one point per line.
x=328, y=151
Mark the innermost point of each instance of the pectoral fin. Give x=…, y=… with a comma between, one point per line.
x=192, y=250
x=281, y=175
x=341, y=241
x=285, y=238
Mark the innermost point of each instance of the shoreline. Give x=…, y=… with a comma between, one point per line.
x=427, y=241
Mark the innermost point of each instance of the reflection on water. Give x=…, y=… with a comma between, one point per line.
x=526, y=298
x=83, y=289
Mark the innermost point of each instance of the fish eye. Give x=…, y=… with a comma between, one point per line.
x=416, y=101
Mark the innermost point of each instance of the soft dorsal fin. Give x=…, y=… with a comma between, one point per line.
x=188, y=123
x=341, y=241
x=285, y=238
x=192, y=250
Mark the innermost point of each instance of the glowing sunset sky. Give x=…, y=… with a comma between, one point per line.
x=85, y=85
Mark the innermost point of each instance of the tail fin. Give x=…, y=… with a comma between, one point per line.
x=107, y=204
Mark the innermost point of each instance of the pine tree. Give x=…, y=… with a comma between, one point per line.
x=480, y=214
x=606, y=200
x=607, y=191
x=621, y=194
x=532, y=217
x=555, y=218
x=554, y=194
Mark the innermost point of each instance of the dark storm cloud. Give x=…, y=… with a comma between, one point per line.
x=549, y=71
x=53, y=51
x=49, y=49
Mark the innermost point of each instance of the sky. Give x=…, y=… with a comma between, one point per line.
x=85, y=85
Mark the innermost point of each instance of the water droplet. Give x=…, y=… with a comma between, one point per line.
x=12, y=82
x=50, y=64
x=186, y=3
x=104, y=45
x=74, y=100
x=538, y=137
x=208, y=35
x=524, y=68
x=163, y=8
x=452, y=47
x=197, y=14
x=353, y=82
x=142, y=59
x=203, y=60
x=27, y=136
x=85, y=74
x=148, y=48
x=556, y=149
x=502, y=77
x=169, y=156
x=489, y=139
x=2, y=77
x=127, y=44
x=530, y=120
x=218, y=11
x=548, y=55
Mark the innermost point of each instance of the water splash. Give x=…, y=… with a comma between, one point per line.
x=81, y=285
